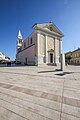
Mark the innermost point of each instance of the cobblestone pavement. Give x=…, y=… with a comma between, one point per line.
x=37, y=93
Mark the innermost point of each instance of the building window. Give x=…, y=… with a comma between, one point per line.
x=31, y=41
x=20, y=41
x=77, y=54
x=77, y=61
x=24, y=45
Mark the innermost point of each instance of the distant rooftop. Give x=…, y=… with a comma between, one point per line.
x=72, y=51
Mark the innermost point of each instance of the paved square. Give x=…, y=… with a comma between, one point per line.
x=39, y=93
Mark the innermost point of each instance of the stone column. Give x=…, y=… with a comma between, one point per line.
x=62, y=62
x=55, y=50
x=46, y=48
x=60, y=46
x=38, y=44
x=38, y=50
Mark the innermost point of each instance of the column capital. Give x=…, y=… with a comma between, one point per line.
x=60, y=39
x=55, y=37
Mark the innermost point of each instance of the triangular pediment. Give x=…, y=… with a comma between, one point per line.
x=52, y=28
x=49, y=27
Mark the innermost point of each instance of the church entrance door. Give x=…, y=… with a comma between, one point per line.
x=51, y=57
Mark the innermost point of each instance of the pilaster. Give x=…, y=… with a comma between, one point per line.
x=38, y=45
x=60, y=46
x=55, y=50
x=38, y=49
x=46, y=48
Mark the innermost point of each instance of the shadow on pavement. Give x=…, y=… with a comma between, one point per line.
x=59, y=74
x=64, y=73
x=50, y=71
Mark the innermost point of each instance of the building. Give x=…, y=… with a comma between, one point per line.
x=7, y=59
x=68, y=56
x=74, y=56
x=42, y=47
x=3, y=57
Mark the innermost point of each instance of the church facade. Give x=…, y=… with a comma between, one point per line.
x=42, y=47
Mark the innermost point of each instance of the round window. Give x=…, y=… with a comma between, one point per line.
x=51, y=28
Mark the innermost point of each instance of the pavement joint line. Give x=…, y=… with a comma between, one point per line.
x=62, y=77
x=70, y=114
x=71, y=87
x=34, y=112
x=33, y=91
x=26, y=80
x=62, y=100
x=15, y=113
x=25, y=109
x=33, y=79
x=48, y=96
x=10, y=84
x=72, y=74
x=29, y=101
x=21, y=83
x=22, y=86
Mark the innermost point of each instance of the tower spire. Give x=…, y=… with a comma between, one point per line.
x=19, y=35
x=19, y=42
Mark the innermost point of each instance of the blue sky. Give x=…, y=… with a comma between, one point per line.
x=22, y=14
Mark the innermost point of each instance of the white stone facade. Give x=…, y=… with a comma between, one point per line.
x=2, y=56
x=42, y=47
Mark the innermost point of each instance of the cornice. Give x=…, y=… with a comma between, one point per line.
x=48, y=32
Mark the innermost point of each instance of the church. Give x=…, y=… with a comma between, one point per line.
x=42, y=47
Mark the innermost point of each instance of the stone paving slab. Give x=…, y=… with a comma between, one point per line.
x=71, y=110
x=45, y=112
x=68, y=117
x=5, y=114
x=39, y=93
x=33, y=99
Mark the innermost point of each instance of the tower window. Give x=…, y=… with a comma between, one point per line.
x=31, y=41
x=20, y=41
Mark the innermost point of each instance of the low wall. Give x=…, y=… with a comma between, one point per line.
x=3, y=65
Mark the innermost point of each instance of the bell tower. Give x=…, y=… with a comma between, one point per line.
x=19, y=41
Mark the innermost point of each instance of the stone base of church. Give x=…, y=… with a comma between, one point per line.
x=52, y=64
x=48, y=64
